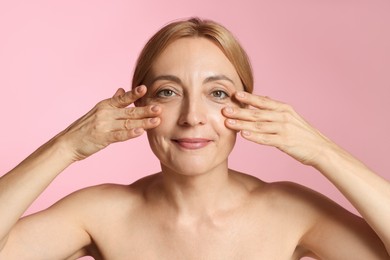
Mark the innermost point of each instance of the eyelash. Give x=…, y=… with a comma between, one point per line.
x=166, y=93
x=162, y=93
x=225, y=95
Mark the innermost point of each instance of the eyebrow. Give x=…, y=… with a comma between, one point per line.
x=166, y=77
x=178, y=80
x=218, y=77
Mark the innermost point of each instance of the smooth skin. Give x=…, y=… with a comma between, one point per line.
x=196, y=207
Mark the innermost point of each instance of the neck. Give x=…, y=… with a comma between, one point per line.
x=197, y=195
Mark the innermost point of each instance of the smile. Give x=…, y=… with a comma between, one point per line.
x=192, y=143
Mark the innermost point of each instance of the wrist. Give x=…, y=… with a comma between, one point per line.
x=60, y=147
x=331, y=158
x=328, y=154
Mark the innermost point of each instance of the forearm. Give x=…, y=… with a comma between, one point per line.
x=367, y=191
x=22, y=185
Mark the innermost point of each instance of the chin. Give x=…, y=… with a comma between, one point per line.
x=192, y=168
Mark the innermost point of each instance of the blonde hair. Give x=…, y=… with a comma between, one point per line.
x=194, y=27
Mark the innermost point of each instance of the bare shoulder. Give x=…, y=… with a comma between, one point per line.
x=78, y=219
x=293, y=195
x=282, y=198
x=283, y=194
x=113, y=196
x=312, y=222
x=302, y=205
x=279, y=193
x=324, y=225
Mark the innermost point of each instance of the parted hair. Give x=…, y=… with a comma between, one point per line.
x=194, y=27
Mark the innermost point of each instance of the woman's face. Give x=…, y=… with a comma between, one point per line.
x=192, y=80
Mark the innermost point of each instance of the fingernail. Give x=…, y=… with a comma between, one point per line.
x=139, y=89
x=246, y=133
x=153, y=120
x=241, y=94
x=138, y=130
x=229, y=110
x=155, y=108
x=232, y=121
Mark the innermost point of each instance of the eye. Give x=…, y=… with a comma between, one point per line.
x=219, y=94
x=165, y=93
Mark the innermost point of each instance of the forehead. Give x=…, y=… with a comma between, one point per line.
x=194, y=57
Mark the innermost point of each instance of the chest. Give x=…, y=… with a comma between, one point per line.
x=238, y=239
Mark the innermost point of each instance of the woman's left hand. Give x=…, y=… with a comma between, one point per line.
x=269, y=122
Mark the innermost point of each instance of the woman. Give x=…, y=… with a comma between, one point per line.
x=192, y=90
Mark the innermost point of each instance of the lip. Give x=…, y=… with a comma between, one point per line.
x=192, y=143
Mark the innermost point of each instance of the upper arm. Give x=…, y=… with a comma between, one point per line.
x=335, y=233
x=55, y=233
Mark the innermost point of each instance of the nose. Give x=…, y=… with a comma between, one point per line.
x=193, y=112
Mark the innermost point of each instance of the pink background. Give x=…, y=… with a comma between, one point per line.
x=329, y=59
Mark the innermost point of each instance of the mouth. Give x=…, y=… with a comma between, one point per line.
x=192, y=143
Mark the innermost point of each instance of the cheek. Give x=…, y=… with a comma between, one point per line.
x=156, y=139
x=227, y=136
x=168, y=116
x=217, y=119
x=168, y=121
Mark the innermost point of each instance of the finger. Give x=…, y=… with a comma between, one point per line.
x=264, y=139
x=123, y=99
x=124, y=135
x=119, y=92
x=132, y=129
x=129, y=124
x=265, y=133
x=139, y=112
x=261, y=102
x=145, y=124
x=257, y=127
x=252, y=114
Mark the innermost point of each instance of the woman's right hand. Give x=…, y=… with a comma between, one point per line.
x=110, y=121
